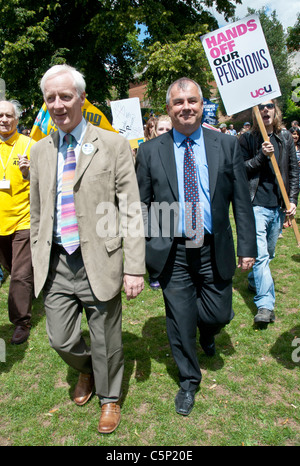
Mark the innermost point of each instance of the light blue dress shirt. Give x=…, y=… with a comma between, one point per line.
x=202, y=176
x=78, y=134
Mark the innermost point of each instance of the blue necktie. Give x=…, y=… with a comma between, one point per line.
x=193, y=217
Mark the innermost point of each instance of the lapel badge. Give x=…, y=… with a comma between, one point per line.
x=87, y=148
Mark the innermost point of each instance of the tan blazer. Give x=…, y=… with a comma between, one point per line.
x=106, y=196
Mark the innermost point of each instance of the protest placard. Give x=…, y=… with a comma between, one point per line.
x=243, y=70
x=241, y=64
x=127, y=120
x=209, y=112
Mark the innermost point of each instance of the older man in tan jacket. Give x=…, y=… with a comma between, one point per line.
x=107, y=223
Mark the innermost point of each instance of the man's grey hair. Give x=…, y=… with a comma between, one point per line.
x=182, y=83
x=16, y=105
x=79, y=81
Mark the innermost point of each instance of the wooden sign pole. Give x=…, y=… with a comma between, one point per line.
x=277, y=172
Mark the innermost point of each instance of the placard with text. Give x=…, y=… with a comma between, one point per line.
x=241, y=64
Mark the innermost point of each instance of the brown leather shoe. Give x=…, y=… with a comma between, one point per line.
x=110, y=418
x=20, y=335
x=84, y=389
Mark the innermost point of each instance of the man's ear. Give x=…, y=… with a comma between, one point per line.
x=82, y=98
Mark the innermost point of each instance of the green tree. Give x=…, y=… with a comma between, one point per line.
x=169, y=20
x=293, y=38
x=99, y=37
x=92, y=36
x=173, y=48
x=168, y=62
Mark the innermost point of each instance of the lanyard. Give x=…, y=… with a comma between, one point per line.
x=5, y=167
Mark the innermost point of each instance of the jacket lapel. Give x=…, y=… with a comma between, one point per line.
x=89, y=148
x=51, y=156
x=167, y=157
x=212, y=148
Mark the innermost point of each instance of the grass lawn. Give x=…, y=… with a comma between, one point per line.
x=249, y=394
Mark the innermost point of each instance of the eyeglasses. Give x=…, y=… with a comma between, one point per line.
x=269, y=106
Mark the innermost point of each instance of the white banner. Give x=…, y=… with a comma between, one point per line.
x=241, y=64
x=127, y=119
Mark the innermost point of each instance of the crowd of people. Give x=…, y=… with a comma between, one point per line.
x=51, y=241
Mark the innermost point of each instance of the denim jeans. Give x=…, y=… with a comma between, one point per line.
x=269, y=223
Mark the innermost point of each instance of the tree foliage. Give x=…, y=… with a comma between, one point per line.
x=170, y=61
x=99, y=37
x=293, y=39
x=90, y=35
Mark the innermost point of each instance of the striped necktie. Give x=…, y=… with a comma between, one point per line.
x=193, y=217
x=69, y=226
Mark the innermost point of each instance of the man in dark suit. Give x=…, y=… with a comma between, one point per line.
x=194, y=264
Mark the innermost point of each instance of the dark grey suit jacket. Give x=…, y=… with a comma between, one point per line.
x=157, y=178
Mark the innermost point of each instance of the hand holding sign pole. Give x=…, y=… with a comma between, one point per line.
x=242, y=67
x=277, y=172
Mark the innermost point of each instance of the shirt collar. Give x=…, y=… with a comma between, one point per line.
x=179, y=137
x=77, y=133
x=10, y=140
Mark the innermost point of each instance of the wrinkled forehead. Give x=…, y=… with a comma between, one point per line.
x=186, y=88
x=7, y=108
x=60, y=83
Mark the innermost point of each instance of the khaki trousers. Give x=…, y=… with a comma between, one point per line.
x=66, y=293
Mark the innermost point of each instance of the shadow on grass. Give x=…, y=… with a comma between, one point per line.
x=139, y=351
x=15, y=353
x=296, y=257
x=286, y=349
x=240, y=283
x=154, y=344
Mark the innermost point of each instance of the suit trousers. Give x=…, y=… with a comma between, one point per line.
x=66, y=293
x=15, y=256
x=195, y=297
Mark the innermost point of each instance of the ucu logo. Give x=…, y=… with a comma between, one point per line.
x=261, y=91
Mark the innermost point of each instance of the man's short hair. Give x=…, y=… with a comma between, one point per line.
x=16, y=105
x=79, y=81
x=182, y=84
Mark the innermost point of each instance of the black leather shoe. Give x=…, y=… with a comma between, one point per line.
x=208, y=346
x=184, y=401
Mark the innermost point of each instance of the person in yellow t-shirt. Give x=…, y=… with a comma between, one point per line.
x=15, y=254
